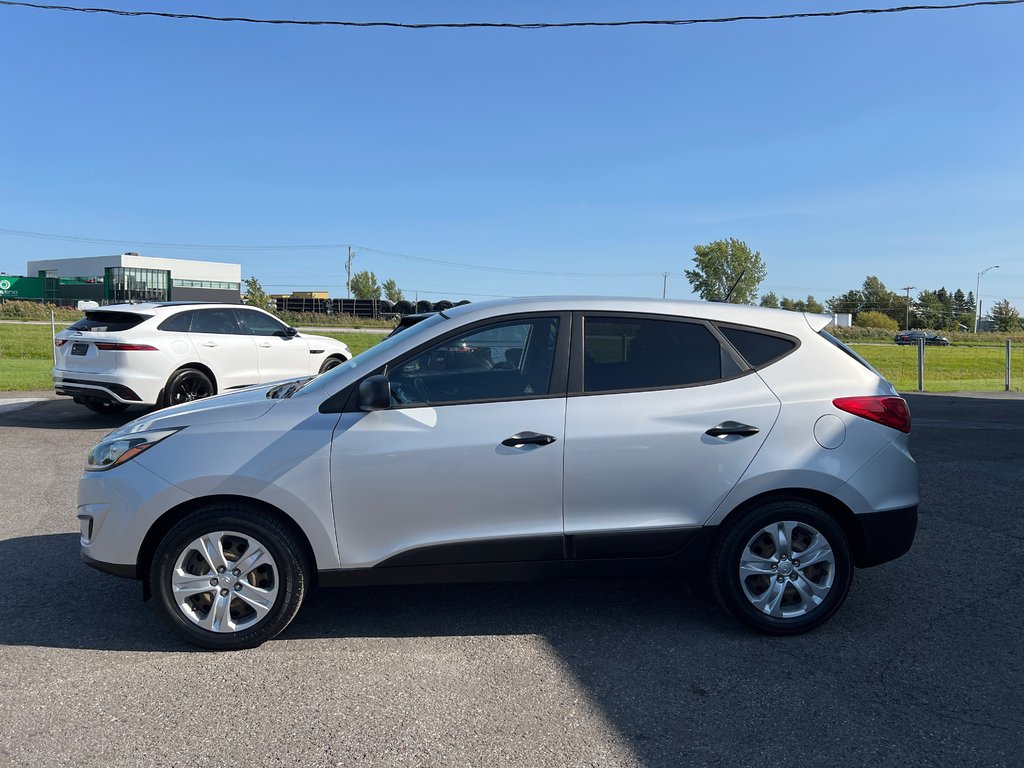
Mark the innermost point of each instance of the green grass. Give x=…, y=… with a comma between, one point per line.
x=26, y=354
x=23, y=375
x=947, y=369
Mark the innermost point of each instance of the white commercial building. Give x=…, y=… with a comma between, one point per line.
x=129, y=276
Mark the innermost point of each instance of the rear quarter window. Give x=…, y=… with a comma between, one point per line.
x=757, y=348
x=177, y=323
x=108, y=322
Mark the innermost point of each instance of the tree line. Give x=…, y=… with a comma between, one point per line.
x=728, y=270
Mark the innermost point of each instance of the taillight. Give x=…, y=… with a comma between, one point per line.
x=59, y=342
x=889, y=411
x=121, y=347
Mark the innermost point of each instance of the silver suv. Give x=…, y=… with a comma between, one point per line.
x=518, y=439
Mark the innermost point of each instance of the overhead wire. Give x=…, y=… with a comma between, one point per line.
x=508, y=25
x=327, y=246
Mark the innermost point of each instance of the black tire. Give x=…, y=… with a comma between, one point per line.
x=108, y=407
x=186, y=385
x=737, y=595
x=330, y=362
x=287, y=574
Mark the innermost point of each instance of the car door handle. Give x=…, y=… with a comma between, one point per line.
x=209, y=343
x=266, y=345
x=728, y=428
x=528, y=438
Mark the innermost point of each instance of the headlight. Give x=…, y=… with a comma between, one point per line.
x=116, y=449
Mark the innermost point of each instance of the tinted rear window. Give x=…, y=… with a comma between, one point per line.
x=108, y=322
x=758, y=349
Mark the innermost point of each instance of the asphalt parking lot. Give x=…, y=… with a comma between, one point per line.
x=922, y=667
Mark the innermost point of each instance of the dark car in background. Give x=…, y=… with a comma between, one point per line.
x=912, y=337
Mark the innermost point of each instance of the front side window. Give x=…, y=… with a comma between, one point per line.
x=506, y=361
x=260, y=324
x=626, y=353
x=215, y=321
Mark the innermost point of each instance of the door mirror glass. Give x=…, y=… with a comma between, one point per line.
x=374, y=394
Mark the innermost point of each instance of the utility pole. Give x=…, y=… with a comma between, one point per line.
x=664, y=284
x=908, y=289
x=348, y=272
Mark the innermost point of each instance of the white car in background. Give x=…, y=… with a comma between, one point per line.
x=167, y=353
x=519, y=439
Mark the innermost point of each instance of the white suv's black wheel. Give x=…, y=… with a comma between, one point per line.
x=229, y=577
x=784, y=568
x=186, y=385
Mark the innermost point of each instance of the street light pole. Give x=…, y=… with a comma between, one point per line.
x=977, y=297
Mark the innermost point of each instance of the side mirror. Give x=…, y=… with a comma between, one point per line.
x=374, y=394
x=291, y=332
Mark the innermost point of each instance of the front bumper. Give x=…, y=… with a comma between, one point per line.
x=886, y=535
x=116, y=509
x=125, y=571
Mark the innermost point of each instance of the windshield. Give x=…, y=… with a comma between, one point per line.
x=376, y=355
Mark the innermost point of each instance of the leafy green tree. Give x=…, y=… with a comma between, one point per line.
x=814, y=306
x=255, y=296
x=850, y=302
x=964, y=308
x=720, y=265
x=933, y=309
x=392, y=292
x=810, y=304
x=770, y=300
x=880, y=299
x=365, y=285
x=872, y=319
x=1005, y=316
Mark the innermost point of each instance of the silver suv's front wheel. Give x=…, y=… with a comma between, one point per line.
x=783, y=568
x=229, y=576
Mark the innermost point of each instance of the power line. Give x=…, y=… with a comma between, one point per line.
x=323, y=246
x=510, y=25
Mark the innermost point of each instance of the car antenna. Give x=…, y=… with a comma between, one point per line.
x=729, y=294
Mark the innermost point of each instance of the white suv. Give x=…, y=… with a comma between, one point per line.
x=526, y=438
x=166, y=353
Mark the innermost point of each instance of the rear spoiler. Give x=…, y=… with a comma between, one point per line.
x=817, y=322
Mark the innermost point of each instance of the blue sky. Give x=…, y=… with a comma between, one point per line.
x=886, y=145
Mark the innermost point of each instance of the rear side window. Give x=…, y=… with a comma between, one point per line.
x=178, y=323
x=643, y=353
x=108, y=322
x=758, y=349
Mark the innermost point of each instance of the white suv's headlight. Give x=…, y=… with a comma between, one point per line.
x=116, y=449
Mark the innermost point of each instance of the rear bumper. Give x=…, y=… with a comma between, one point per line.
x=111, y=388
x=886, y=535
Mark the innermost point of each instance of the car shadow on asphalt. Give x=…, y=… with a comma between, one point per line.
x=94, y=610
x=66, y=414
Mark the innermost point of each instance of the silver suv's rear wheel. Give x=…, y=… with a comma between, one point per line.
x=229, y=576
x=783, y=568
